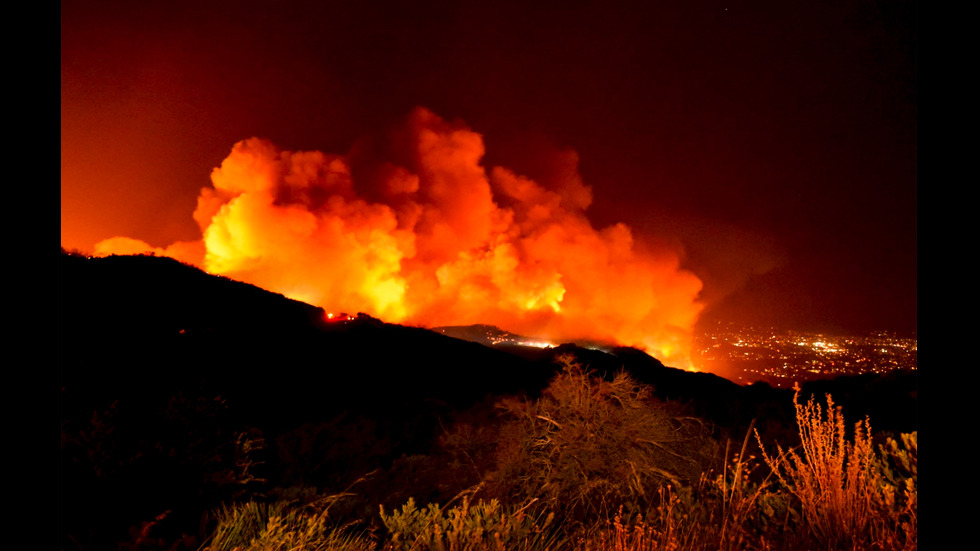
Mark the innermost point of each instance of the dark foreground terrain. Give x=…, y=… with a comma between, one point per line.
x=184, y=394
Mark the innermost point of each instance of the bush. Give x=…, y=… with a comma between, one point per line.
x=588, y=444
x=484, y=525
x=846, y=494
x=899, y=507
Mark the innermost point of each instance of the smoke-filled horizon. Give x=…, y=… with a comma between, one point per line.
x=413, y=228
x=768, y=146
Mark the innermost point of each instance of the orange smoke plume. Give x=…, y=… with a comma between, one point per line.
x=427, y=237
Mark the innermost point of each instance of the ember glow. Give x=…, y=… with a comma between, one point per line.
x=415, y=230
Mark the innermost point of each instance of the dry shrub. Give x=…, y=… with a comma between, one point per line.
x=898, y=527
x=588, y=445
x=844, y=500
x=480, y=526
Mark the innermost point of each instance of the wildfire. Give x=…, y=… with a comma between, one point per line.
x=415, y=230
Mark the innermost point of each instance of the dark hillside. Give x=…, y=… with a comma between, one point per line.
x=153, y=325
x=167, y=372
x=181, y=390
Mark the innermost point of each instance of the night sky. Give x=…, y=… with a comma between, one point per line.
x=773, y=142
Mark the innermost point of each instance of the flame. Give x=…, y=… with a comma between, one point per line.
x=429, y=237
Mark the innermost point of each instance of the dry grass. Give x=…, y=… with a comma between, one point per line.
x=637, y=535
x=480, y=526
x=678, y=523
x=836, y=481
x=834, y=492
x=285, y=526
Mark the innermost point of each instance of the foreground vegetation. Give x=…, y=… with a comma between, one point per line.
x=597, y=464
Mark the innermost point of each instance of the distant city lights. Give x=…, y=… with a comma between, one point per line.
x=750, y=354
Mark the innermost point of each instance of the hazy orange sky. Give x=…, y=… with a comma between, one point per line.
x=771, y=144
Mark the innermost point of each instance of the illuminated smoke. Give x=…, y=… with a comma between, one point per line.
x=429, y=237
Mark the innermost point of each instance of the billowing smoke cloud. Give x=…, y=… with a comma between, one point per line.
x=413, y=229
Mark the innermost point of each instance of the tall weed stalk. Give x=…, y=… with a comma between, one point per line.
x=832, y=478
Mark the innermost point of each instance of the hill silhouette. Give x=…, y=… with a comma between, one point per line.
x=169, y=375
x=143, y=324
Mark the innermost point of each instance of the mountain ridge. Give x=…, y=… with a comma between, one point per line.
x=166, y=372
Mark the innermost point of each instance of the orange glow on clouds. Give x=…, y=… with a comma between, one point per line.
x=440, y=242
